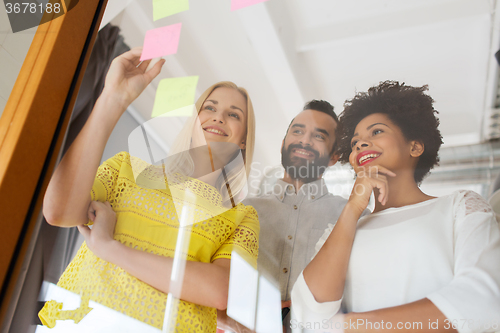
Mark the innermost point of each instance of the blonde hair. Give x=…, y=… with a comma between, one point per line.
x=181, y=161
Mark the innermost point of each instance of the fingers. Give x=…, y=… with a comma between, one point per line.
x=152, y=62
x=364, y=188
x=133, y=55
x=143, y=65
x=382, y=170
x=375, y=170
x=130, y=57
x=84, y=230
x=98, y=208
x=154, y=71
x=379, y=181
x=379, y=176
x=91, y=212
x=352, y=160
x=373, y=179
x=382, y=186
x=95, y=206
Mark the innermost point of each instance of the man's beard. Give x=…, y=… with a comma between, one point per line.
x=303, y=169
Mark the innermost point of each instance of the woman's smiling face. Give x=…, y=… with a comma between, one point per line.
x=378, y=141
x=223, y=116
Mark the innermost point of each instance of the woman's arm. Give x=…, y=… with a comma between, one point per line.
x=203, y=283
x=67, y=197
x=325, y=275
x=470, y=302
x=420, y=316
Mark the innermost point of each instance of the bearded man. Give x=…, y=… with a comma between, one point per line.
x=294, y=215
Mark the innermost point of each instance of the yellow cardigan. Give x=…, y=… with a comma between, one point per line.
x=147, y=220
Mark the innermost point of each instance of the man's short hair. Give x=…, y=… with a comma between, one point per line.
x=321, y=106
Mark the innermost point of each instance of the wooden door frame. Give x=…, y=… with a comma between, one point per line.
x=32, y=129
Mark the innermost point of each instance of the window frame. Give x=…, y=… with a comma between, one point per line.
x=32, y=130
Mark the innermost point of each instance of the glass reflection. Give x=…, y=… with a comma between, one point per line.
x=162, y=229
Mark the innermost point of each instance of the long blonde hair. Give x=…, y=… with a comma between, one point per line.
x=181, y=161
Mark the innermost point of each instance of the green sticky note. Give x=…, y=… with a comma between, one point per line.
x=164, y=8
x=173, y=94
x=185, y=111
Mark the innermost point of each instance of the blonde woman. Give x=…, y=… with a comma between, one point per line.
x=126, y=261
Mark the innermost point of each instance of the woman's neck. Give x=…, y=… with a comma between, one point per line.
x=403, y=191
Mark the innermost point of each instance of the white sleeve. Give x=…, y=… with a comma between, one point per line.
x=305, y=308
x=322, y=239
x=472, y=299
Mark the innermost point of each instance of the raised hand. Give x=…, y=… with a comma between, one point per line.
x=101, y=234
x=127, y=76
x=368, y=180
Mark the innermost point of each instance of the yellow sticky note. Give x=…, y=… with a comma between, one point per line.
x=185, y=111
x=164, y=8
x=173, y=94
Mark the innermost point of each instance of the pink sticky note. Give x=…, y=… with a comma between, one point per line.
x=161, y=41
x=238, y=4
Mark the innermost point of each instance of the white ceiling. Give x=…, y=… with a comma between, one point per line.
x=285, y=52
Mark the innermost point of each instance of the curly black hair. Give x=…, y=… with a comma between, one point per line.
x=406, y=106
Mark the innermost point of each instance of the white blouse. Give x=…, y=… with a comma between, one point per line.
x=445, y=249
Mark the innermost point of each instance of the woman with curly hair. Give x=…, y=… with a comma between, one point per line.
x=417, y=263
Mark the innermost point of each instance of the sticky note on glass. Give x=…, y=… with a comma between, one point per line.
x=162, y=41
x=164, y=8
x=186, y=111
x=238, y=4
x=175, y=94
